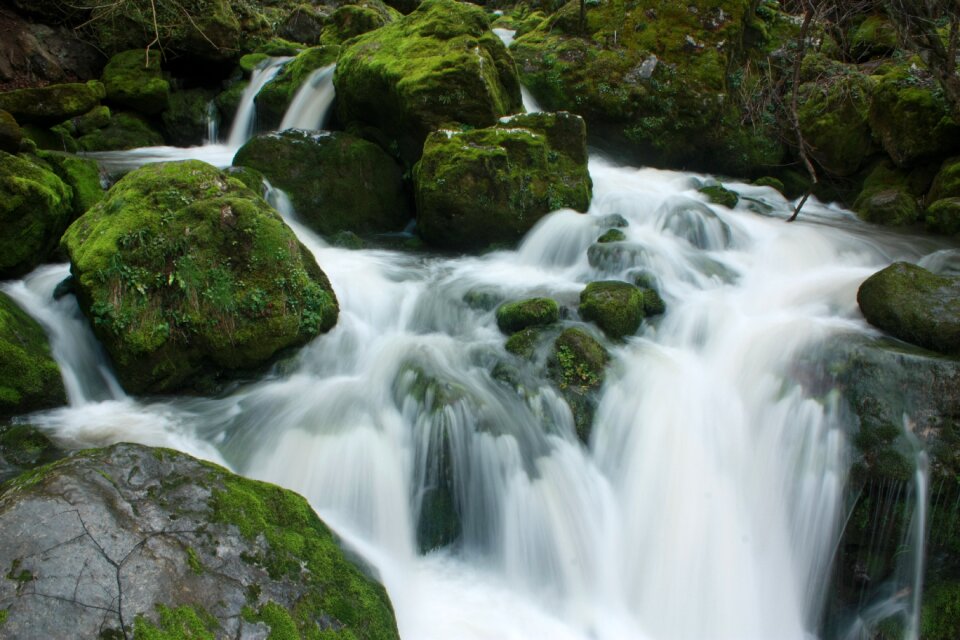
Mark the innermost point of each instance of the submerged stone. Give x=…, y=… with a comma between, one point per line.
x=614, y=306
x=718, y=194
x=29, y=377
x=534, y=312
x=188, y=276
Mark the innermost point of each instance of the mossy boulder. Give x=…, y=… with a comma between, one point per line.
x=351, y=20
x=274, y=99
x=134, y=80
x=914, y=305
x=650, y=79
x=577, y=366
x=943, y=216
x=718, y=194
x=335, y=181
x=612, y=235
x=186, y=119
x=479, y=187
x=52, y=104
x=29, y=377
x=887, y=197
x=190, y=549
x=82, y=175
x=305, y=24
x=533, y=312
x=96, y=118
x=126, y=130
x=834, y=120
x=614, y=306
x=946, y=184
x=10, y=133
x=35, y=208
x=438, y=65
x=911, y=119
x=875, y=36
x=188, y=276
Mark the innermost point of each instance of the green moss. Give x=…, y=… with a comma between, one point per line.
x=35, y=208
x=534, y=312
x=251, y=61
x=940, y=616
x=946, y=184
x=875, y=36
x=25, y=446
x=276, y=96
x=612, y=235
x=437, y=65
x=718, y=194
x=352, y=20
x=943, y=216
x=52, y=104
x=523, y=343
x=770, y=181
x=577, y=366
x=616, y=307
x=833, y=117
x=125, y=131
x=886, y=197
x=194, y=561
x=81, y=175
x=4, y=614
x=186, y=117
x=186, y=273
x=10, y=133
x=180, y=623
x=133, y=79
x=280, y=47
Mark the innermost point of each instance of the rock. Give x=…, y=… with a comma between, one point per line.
x=489, y=186
x=188, y=276
x=437, y=65
x=772, y=182
x=914, y=305
x=718, y=194
x=82, y=175
x=96, y=118
x=946, y=184
x=125, y=131
x=886, y=197
x=911, y=119
x=577, y=367
x=523, y=343
x=35, y=208
x=943, y=216
x=616, y=307
x=24, y=447
x=351, y=20
x=186, y=120
x=34, y=54
x=133, y=541
x=875, y=37
x=10, y=133
x=534, y=312
x=335, y=181
x=304, y=24
x=29, y=378
x=274, y=99
x=52, y=104
x=133, y=79
x=612, y=235
x=834, y=120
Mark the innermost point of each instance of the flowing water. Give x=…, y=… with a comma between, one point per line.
x=310, y=105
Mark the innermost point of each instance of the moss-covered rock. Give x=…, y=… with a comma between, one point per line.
x=82, y=175
x=887, y=197
x=943, y=216
x=577, y=366
x=96, y=118
x=335, y=181
x=614, y=306
x=489, y=186
x=523, y=343
x=189, y=276
x=133, y=79
x=186, y=119
x=29, y=377
x=534, y=312
x=612, y=235
x=276, y=96
x=353, y=19
x=52, y=104
x=946, y=184
x=911, y=119
x=914, y=305
x=772, y=182
x=438, y=65
x=875, y=36
x=24, y=447
x=833, y=117
x=35, y=208
x=192, y=550
x=718, y=194
x=10, y=133
x=125, y=131
x=305, y=24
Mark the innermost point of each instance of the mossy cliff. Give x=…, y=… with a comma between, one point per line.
x=439, y=65
x=187, y=276
x=130, y=540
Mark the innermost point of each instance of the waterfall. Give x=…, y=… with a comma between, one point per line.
x=310, y=105
x=245, y=118
x=213, y=123
x=530, y=104
x=708, y=502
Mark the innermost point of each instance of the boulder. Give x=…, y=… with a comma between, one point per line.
x=131, y=541
x=35, y=208
x=614, y=306
x=351, y=20
x=189, y=276
x=52, y=104
x=914, y=305
x=134, y=80
x=274, y=99
x=439, y=64
x=82, y=175
x=29, y=377
x=489, y=186
x=10, y=133
x=577, y=366
x=943, y=216
x=946, y=184
x=718, y=194
x=335, y=181
x=534, y=312
x=304, y=24
x=875, y=37
x=125, y=131
x=834, y=120
x=887, y=197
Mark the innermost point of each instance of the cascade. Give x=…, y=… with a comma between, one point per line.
x=530, y=104
x=708, y=502
x=244, y=120
x=309, y=107
x=213, y=123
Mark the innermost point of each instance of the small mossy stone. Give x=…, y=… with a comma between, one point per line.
x=876, y=36
x=189, y=276
x=133, y=79
x=577, y=366
x=653, y=304
x=305, y=24
x=276, y=47
x=29, y=377
x=914, y=305
x=886, y=197
x=943, y=216
x=35, y=208
x=351, y=20
x=251, y=61
x=125, y=131
x=614, y=306
x=10, y=133
x=533, y=312
x=96, y=118
x=523, y=343
x=56, y=138
x=718, y=194
x=946, y=184
x=336, y=182
x=52, y=104
x=612, y=235
x=772, y=182
x=347, y=240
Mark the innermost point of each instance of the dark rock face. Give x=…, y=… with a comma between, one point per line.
x=133, y=540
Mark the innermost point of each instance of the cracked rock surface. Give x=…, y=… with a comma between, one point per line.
x=126, y=540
